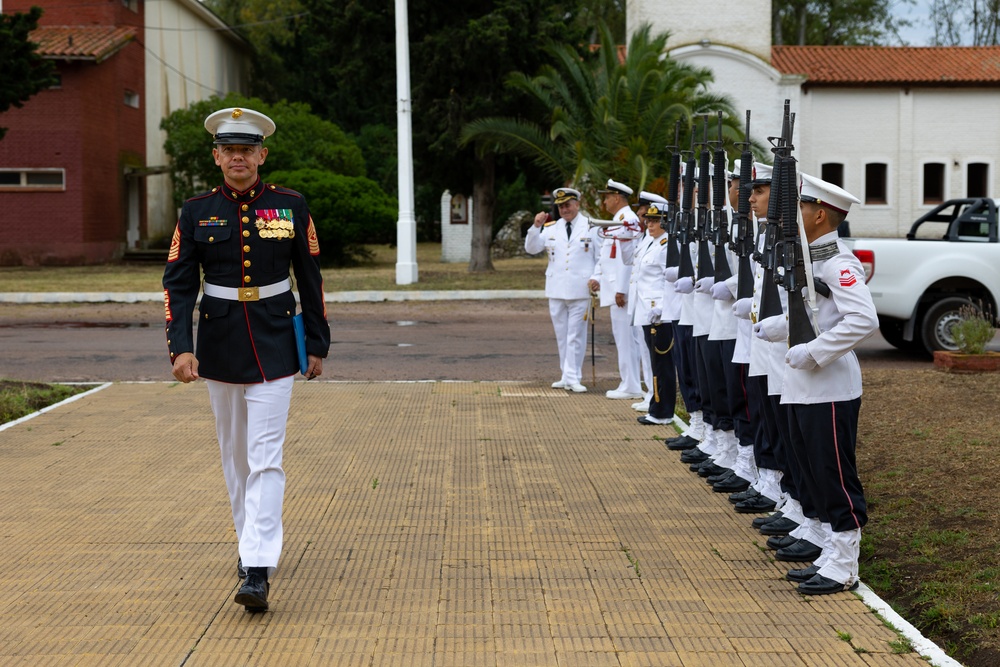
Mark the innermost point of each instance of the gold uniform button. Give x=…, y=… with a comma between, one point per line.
x=246, y=207
x=246, y=232
x=245, y=220
x=246, y=248
x=246, y=279
x=211, y=239
x=246, y=263
x=206, y=316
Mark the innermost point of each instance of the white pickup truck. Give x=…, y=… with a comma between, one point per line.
x=949, y=258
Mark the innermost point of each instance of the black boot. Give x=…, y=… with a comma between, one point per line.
x=253, y=592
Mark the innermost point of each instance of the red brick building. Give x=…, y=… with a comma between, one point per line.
x=67, y=161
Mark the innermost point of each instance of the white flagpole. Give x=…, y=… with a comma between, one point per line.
x=406, y=226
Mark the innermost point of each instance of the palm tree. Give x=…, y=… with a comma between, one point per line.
x=606, y=116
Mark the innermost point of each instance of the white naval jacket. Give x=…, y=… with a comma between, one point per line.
x=648, y=287
x=766, y=358
x=613, y=273
x=571, y=259
x=845, y=319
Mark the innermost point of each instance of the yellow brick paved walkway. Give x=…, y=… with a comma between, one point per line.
x=426, y=524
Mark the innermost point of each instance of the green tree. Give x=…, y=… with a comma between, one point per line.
x=302, y=141
x=24, y=71
x=602, y=117
x=348, y=211
x=836, y=22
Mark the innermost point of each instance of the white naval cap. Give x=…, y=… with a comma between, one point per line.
x=761, y=173
x=648, y=198
x=824, y=193
x=239, y=126
x=657, y=210
x=617, y=188
x=563, y=195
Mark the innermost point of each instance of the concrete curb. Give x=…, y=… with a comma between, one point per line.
x=374, y=296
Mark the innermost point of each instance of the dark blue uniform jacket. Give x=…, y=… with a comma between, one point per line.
x=244, y=239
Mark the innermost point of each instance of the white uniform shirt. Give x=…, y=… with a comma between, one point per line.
x=723, y=321
x=614, y=264
x=766, y=358
x=571, y=259
x=845, y=319
x=649, y=288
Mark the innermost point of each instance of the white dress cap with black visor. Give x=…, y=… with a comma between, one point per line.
x=239, y=126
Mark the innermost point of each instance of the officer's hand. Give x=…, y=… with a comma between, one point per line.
x=620, y=299
x=314, y=368
x=704, y=286
x=799, y=358
x=185, y=367
x=655, y=315
x=540, y=219
x=772, y=329
x=593, y=285
x=684, y=285
x=741, y=308
x=721, y=292
x=671, y=273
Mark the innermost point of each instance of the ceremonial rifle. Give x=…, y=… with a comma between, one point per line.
x=705, y=269
x=686, y=215
x=673, y=185
x=720, y=215
x=745, y=236
x=770, y=299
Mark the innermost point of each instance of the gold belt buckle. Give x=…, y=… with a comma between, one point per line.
x=249, y=294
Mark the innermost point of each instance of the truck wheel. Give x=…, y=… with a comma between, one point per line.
x=936, y=326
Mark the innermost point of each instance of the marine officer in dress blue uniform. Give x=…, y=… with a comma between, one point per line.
x=246, y=237
x=572, y=250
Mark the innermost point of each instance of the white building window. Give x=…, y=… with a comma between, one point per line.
x=41, y=180
x=876, y=183
x=131, y=99
x=977, y=181
x=933, y=183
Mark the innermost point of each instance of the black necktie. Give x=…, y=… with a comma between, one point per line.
x=569, y=230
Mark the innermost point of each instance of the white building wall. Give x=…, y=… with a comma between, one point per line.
x=746, y=26
x=191, y=55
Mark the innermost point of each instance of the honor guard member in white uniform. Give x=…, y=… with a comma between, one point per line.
x=246, y=236
x=822, y=391
x=645, y=199
x=611, y=276
x=648, y=301
x=572, y=250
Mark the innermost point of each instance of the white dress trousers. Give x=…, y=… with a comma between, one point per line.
x=250, y=424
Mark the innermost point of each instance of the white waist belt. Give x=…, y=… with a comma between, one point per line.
x=248, y=293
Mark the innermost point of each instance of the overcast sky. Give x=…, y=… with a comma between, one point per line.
x=921, y=32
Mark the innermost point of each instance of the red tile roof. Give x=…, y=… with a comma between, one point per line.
x=96, y=42
x=890, y=65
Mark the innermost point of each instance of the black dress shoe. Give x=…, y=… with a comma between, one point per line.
x=253, y=593
x=740, y=496
x=711, y=469
x=241, y=571
x=802, y=551
x=681, y=443
x=645, y=421
x=733, y=483
x=693, y=455
x=755, y=505
x=820, y=585
x=712, y=479
x=761, y=520
x=782, y=526
x=805, y=574
x=780, y=542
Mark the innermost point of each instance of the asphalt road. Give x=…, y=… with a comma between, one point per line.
x=446, y=340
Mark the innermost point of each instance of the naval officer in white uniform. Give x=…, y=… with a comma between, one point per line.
x=572, y=250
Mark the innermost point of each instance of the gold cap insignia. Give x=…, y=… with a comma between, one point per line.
x=237, y=113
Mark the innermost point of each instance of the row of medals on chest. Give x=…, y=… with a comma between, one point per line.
x=278, y=228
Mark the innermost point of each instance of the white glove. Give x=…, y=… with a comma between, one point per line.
x=684, y=285
x=799, y=358
x=720, y=292
x=671, y=273
x=655, y=315
x=704, y=286
x=741, y=308
x=772, y=329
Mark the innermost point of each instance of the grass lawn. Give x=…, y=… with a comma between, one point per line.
x=379, y=274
